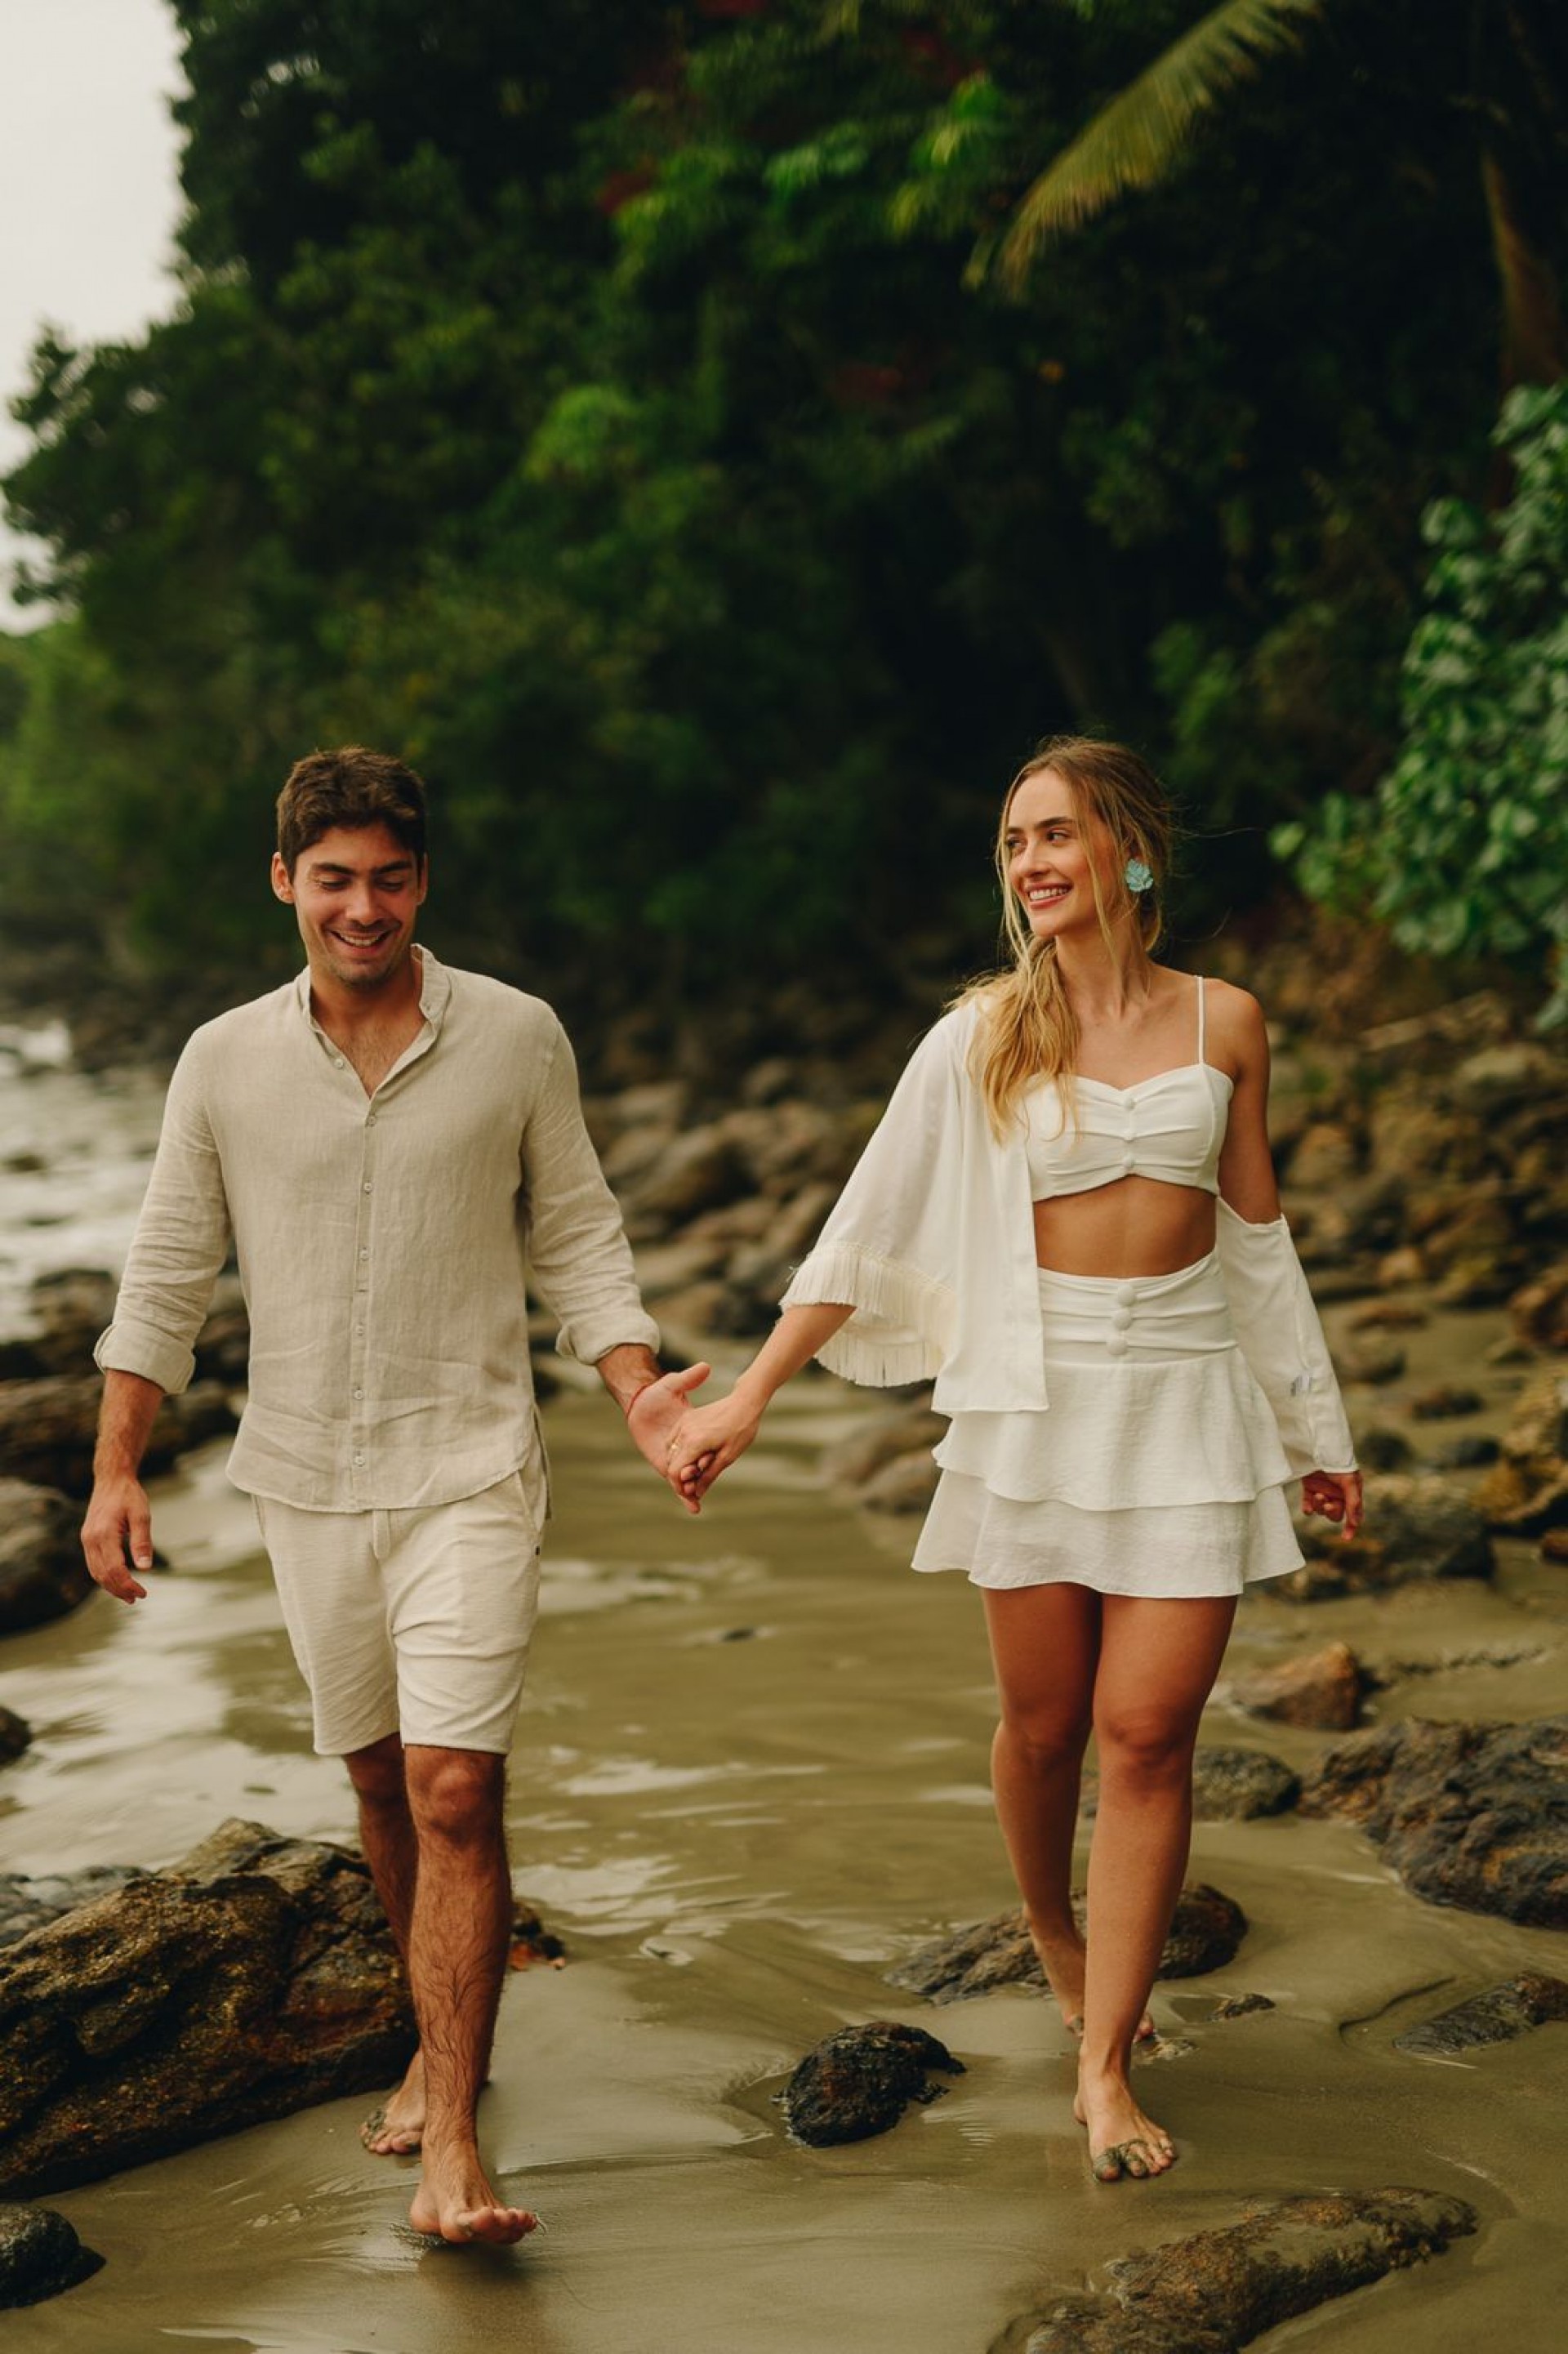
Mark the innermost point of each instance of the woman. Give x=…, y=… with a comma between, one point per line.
x=1068, y=1219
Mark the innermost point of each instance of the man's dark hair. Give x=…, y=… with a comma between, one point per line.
x=350, y=787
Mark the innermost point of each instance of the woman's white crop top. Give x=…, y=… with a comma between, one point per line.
x=1169, y=1127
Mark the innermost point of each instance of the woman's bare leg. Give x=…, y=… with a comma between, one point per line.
x=1158, y=1662
x=1044, y=1644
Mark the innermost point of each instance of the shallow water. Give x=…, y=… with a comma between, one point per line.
x=750, y=1773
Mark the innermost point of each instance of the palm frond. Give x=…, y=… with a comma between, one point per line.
x=1134, y=142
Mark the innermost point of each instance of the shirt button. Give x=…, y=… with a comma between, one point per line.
x=338, y=1060
x=364, y=1253
x=359, y=1392
x=359, y=1332
x=1115, y=1344
x=366, y=1187
x=1127, y=1295
x=370, y=1120
x=359, y=1461
x=1129, y=1162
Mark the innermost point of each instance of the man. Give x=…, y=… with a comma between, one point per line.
x=382, y=1140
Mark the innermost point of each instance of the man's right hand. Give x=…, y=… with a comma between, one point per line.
x=119, y=1522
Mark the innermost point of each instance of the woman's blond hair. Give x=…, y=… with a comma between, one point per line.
x=1028, y=1031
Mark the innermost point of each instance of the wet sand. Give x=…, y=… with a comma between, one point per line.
x=750, y=1773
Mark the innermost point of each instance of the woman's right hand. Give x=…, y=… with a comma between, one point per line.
x=709, y=1439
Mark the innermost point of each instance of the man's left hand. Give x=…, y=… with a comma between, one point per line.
x=654, y=1418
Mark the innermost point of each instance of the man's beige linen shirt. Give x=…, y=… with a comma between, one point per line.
x=381, y=1242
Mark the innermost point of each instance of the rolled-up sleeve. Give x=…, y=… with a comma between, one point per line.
x=578, y=1257
x=181, y=1243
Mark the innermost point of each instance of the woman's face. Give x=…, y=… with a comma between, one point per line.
x=1051, y=849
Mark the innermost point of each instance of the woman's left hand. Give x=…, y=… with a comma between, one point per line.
x=1335, y=1496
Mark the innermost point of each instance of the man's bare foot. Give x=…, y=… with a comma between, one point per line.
x=1122, y=2139
x=397, y=2128
x=1064, y=1961
x=455, y=2202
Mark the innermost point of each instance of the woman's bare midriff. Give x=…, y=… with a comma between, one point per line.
x=1134, y=1227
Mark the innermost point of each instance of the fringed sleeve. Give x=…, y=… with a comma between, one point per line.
x=1279, y=1334
x=903, y=1322
x=888, y=1247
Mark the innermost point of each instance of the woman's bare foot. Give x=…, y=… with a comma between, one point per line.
x=1122, y=2139
x=397, y=2128
x=455, y=2202
x=1065, y=1960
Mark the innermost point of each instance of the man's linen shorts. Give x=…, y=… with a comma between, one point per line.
x=410, y=1622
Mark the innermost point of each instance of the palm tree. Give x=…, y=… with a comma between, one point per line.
x=1138, y=140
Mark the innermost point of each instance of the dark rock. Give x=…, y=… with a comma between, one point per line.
x=1539, y=1310
x=42, y=1572
x=1240, y=2005
x=1417, y=1527
x=1388, y=1315
x=1445, y=1403
x=1235, y=1785
x=530, y=1942
x=254, y=1978
x=1324, y=1155
x=884, y=1437
x=1474, y=1815
x=1382, y=1450
x=48, y=1428
x=859, y=2081
x=695, y=1173
x=1527, y=1493
x=1498, y=2016
x=16, y=1733
x=905, y=1485
x=1518, y=1072
x=1322, y=1691
x=68, y=1307
x=1469, y=1453
x=40, y=2254
x=1205, y=1934
x=1217, y=2291
x=1554, y=1545
x=29, y=1900
x=1374, y=1361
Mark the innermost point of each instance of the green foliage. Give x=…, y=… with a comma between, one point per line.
x=1463, y=849
x=615, y=412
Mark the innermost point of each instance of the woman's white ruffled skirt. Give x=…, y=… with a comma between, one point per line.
x=1156, y=1468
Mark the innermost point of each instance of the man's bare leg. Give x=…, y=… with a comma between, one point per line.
x=391, y=1849
x=457, y=1955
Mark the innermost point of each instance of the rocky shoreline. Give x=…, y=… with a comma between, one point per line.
x=1424, y=1174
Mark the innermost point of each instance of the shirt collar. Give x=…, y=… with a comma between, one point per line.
x=435, y=990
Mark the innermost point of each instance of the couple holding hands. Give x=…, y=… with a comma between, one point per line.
x=1067, y=1220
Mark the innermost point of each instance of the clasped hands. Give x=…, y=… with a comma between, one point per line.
x=690, y=1446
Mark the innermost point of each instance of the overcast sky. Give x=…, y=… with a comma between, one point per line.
x=89, y=196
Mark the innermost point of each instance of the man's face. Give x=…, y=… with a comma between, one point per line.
x=356, y=894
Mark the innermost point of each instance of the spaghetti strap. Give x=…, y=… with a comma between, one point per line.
x=1202, y=1057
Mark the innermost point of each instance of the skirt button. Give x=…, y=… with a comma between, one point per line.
x=1115, y=1344
x=1121, y=1317
x=1127, y=1295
